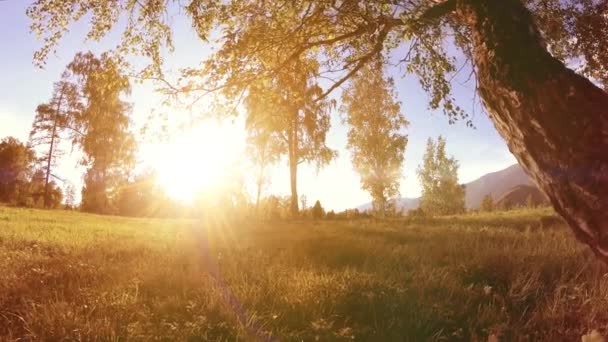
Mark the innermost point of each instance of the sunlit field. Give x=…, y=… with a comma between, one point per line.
x=73, y=276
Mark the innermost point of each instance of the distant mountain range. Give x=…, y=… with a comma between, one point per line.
x=497, y=184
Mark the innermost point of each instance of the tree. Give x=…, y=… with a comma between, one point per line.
x=70, y=196
x=104, y=123
x=284, y=108
x=317, y=211
x=16, y=160
x=375, y=137
x=552, y=118
x=487, y=204
x=263, y=150
x=54, y=195
x=438, y=175
x=141, y=197
x=37, y=193
x=303, y=202
x=51, y=121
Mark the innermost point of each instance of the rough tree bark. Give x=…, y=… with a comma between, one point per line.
x=554, y=121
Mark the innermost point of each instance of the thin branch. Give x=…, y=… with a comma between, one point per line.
x=459, y=69
x=362, y=61
x=160, y=79
x=73, y=130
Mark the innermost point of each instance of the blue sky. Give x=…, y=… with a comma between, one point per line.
x=23, y=87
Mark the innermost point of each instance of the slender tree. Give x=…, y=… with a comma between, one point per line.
x=438, y=175
x=284, y=107
x=51, y=122
x=303, y=202
x=487, y=204
x=552, y=118
x=263, y=150
x=70, y=196
x=375, y=136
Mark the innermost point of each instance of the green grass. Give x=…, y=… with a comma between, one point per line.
x=66, y=275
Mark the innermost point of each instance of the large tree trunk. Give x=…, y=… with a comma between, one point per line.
x=554, y=121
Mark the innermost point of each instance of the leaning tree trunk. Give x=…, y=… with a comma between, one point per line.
x=554, y=121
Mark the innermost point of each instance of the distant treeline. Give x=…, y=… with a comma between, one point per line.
x=21, y=183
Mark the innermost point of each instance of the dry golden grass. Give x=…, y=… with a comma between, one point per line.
x=66, y=275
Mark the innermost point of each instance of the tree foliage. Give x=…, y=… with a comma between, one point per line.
x=264, y=148
x=283, y=113
x=343, y=36
x=375, y=136
x=487, y=203
x=40, y=194
x=106, y=141
x=317, y=211
x=141, y=197
x=21, y=184
x=52, y=121
x=16, y=161
x=70, y=196
x=438, y=175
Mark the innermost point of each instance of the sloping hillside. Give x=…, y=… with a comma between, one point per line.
x=496, y=184
x=518, y=197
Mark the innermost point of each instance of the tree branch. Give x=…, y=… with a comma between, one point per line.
x=438, y=11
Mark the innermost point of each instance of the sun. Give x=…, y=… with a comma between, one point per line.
x=197, y=161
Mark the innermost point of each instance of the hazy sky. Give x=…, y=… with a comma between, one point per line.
x=23, y=87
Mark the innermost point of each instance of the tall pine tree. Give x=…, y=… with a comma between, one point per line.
x=51, y=122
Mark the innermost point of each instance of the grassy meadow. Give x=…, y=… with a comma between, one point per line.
x=73, y=276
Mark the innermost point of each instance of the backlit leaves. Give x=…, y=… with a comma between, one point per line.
x=342, y=36
x=375, y=137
